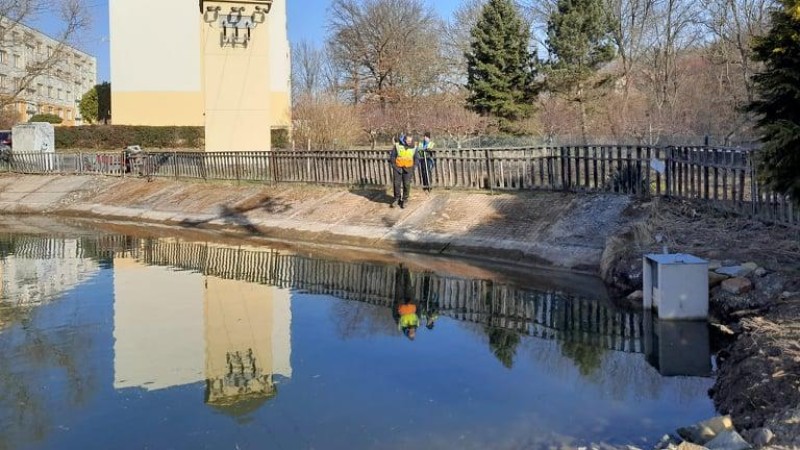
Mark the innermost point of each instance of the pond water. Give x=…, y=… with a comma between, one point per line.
x=118, y=342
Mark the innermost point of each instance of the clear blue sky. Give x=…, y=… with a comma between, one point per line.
x=306, y=21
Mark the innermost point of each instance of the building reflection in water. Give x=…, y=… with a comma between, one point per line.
x=34, y=270
x=174, y=328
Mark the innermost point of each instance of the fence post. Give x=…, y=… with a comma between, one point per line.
x=122, y=165
x=489, y=171
x=175, y=164
x=668, y=171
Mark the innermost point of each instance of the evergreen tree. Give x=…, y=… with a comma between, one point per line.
x=779, y=105
x=579, y=43
x=500, y=65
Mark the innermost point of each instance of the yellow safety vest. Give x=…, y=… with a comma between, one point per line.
x=405, y=156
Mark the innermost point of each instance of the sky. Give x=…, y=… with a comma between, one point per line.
x=306, y=21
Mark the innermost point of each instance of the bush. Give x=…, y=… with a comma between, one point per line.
x=47, y=118
x=280, y=139
x=115, y=137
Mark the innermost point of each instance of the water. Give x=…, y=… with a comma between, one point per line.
x=120, y=342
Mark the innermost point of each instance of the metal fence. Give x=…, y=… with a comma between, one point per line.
x=724, y=178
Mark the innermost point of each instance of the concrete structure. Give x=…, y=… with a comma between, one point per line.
x=225, y=66
x=59, y=92
x=34, y=137
x=173, y=328
x=676, y=285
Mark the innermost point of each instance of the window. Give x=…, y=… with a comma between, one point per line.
x=41, y=89
x=60, y=94
x=3, y=81
x=69, y=114
x=69, y=95
x=17, y=61
x=3, y=57
x=50, y=91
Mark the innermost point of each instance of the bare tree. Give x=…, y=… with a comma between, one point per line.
x=387, y=49
x=38, y=62
x=323, y=122
x=308, y=62
x=457, y=39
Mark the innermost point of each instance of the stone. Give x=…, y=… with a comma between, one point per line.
x=760, y=272
x=714, y=264
x=734, y=271
x=715, y=279
x=689, y=446
x=697, y=434
x=636, y=296
x=34, y=137
x=729, y=262
x=750, y=265
x=728, y=440
x=762, y=437
x=737, y=286
x=706, y=430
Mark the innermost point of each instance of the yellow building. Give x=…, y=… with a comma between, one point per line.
x=225, y=66
x=58, y=91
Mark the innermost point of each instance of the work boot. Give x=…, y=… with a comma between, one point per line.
x=394, y=203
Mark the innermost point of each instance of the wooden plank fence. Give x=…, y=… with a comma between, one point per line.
x=724, y=178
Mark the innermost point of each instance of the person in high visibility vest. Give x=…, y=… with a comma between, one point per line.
x=427, y=161
x=403, y=159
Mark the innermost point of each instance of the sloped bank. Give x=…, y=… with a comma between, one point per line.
x=755, y=306
x=552, y=229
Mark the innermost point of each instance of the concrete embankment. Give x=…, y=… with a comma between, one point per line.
x=539, y=228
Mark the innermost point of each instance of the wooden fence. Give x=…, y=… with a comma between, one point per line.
x=724, y=178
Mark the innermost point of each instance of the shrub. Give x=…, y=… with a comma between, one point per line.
x=280, y=138
x=47, y=118
x=115, y=137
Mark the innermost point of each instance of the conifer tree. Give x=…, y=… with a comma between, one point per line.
x=579, y=43
x=779, y=104
x=500, y=64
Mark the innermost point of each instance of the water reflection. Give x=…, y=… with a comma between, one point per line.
x=178, y=328
x=678, y=348
x=228, y=327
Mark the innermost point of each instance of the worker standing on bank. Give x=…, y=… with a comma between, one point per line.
x=403, y=159
x=426, y=161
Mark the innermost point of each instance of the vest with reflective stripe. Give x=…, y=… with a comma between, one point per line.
x=405, y=156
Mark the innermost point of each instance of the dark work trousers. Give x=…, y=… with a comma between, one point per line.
x=426, y=166
x=402, y=180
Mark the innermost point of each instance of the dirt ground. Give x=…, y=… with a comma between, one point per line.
x=758, y=376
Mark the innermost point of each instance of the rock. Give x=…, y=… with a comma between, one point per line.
x=785, y=295
x=698, y=434
x=715, y=279
x=750, y=265
x=729, y=262
x=734, y=271
x=737, y=286
x=762, y=437
x=636, y=296
x=706, y=430
x=689, y=446
x=728, y=440
x=714, y=264
x=760, y=272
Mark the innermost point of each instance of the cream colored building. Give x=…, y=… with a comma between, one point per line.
x=224, y=65
x=173, y=328
x=57, y=92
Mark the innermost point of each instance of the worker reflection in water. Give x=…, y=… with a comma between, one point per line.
x=405, y=309
x=429, y=302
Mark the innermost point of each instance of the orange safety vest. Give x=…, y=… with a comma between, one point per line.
x=405, y=156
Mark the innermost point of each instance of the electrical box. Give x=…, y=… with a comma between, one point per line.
x=676, y=285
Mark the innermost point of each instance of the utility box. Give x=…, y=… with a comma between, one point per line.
x=676, y=285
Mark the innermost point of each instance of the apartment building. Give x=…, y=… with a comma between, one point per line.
x=225, y=66
x=56, y=90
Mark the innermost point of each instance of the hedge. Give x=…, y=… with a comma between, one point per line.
x=115, y=137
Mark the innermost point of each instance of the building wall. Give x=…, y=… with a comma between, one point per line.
x=184, y=76
x=58, y=92
x=155, y=62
